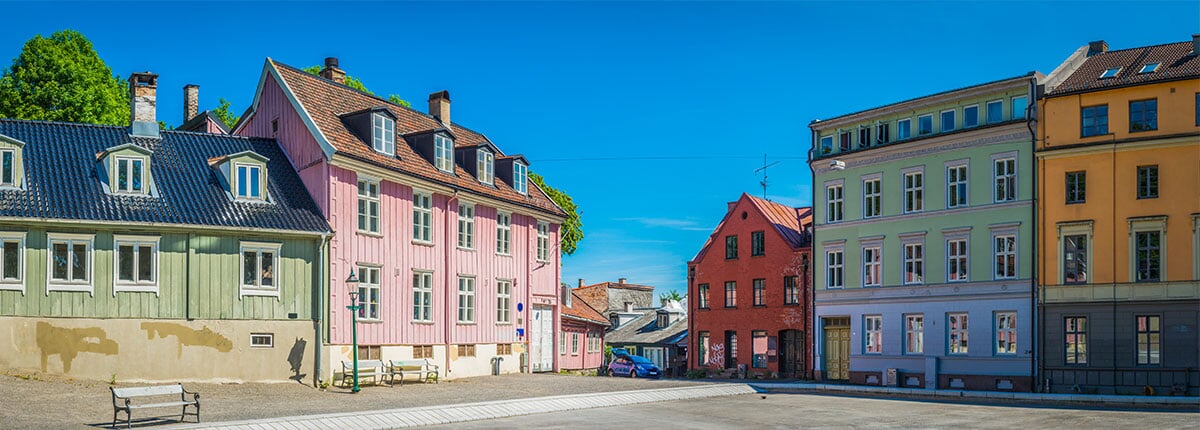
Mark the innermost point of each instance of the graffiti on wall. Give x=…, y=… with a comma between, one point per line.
x=187, y=336
x=716, y=355
x=793, y=318
x=67, y=343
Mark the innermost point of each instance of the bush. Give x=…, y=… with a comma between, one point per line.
x=697, y=373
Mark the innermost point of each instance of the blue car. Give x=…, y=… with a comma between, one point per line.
x=633, y=366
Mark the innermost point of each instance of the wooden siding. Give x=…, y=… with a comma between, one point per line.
x=293, y=136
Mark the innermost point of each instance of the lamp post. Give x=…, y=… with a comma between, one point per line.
x=352, y=285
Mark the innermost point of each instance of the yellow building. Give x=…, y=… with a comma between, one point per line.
x=1119, y=222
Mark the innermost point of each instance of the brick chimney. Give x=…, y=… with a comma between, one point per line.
x=580, y=282
x=1097, y=47
x=439, y=106
x=332, y=72
x=143, y=91
x=191, y=101
x=621, y=281
x=1196, y=44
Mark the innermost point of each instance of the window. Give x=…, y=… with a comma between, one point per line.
x=368, y=293
x=827, y=145
x=503, y=301
x=1005, y=174
x=70, y=263
x=443, y=153
x=249, y=181
x=8, y=167
x=485, y=165
x=872, y=334
x=1149, y=67
x=369, y=352
x=730, y=349
x=914, y=334
x=703, y=296
x=833, y=267
x=956, y=260
x=914, y=192
x=864, y=137
x=833, y=203
x=758, y=342
x=924, y=124
x=562, y=343
x=760, y=291
x=730, y=247
x=1005, y=248
x=1075, y=259
x=422, y=351
x=914, y=263
x=1006, y=333
x=506, y=348
x=1076, y=187
x=995, y=111
x=520, y=182
x=543, y=241
x=368, y=206
x=574, y=343
x=956, y=186
x=1019, y=105
x=1149, y=339
x=662, y=320
x=872, y=194
x=503, y=233
x=466, y=226
x=1147, y=186
x=262, y=340
x=970, y=116
x=466, y=299
x=12, y=261
x=882, y=132
x=131, y=175
x=1143, y=115
x=258, y=269
x=756, y=244
x=904, y=129
x=957, y=333
x=703, y=343
x=423, y=296
x=383, y=134
x=1148, y=255
x=136, y=264
x=466, y=350
x=731, y=294
x=1109, y=73
x=1075, y=335
x=948, y=120
x=791, y=290
x=422, y=217
x=1094, y=121
x=872, y=266
x=844, y=141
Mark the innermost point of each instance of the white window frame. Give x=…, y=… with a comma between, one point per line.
x=1146, y=225
x=368, y=201
x=364, y=289
x=268, y=337
x=116, y=162
x=443, y=153
x=962, y=179
x=466, y=226
x=504, y=301
x=835, y=205
x=872, y=265
x=963, y=331
x=914, y=329
x=872, y=334
x=913, y=253
x=987, y=107
x=485, y=163
x=18, y=283
x=1005, y=327
x=872, y=195
x=466, y=299
x=953, y=237
x=520, y=178
x=1085, y=229
x=543, y=241
x=931, y=129
x=257, y=289
x=965, y=116
x=562, y=343
x=383, y=134
x=835, y=264
x=87, y=285
x=917, y=192
x=422, y=296
x=136, y=286
x=504, y=233
x=422, y=217
x=262, y=181
x=907, y=121
x=998, y=234
x=574, y=343
x=942, y=120
x=1009, y=178
x=16, y=181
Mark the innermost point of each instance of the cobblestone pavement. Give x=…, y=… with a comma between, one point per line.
x=46, y=402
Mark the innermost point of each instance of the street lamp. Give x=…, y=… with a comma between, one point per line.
x=352, y=285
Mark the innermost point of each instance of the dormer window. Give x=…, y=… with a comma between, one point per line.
x=443, y=153
x=485, y=167
x=8, y=168
x=130, y=175
x=520, y=181
x=126, y=169
x=383, y=132
x=249, y=182
x=244, y=176
x=664, y=320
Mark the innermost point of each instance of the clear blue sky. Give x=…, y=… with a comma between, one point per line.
x=700, y=91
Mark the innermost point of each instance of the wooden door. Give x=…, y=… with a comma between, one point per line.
x=837, y=349
x=791, y=353
x=541, y=339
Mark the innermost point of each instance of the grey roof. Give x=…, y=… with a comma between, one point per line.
x=645, y=329
x=62, y=183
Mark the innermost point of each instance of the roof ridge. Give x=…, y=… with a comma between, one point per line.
x=77, y=124
x=322, y=79
x=1140, y=47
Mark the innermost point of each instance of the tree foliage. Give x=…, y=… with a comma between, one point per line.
x=62, y=78
x=225, y=114
x=672, y=295
x=572, y=228
x=357, y=84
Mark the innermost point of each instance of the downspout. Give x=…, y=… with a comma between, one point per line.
x=187, y=282
x=811, y=295
x=1031, y=123
x=450, y=315
x=319, y=309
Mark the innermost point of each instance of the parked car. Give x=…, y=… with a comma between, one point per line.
x=633, y=366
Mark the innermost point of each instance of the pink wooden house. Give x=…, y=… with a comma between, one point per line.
x=456, y=250
x=581, y=341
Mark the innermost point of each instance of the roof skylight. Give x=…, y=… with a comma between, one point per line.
x=1149, y=67
x=1110, y=73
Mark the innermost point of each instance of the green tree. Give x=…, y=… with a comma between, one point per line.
x=62, y=78
x=225, y=114
x=670, y=295
x=572, y=228
x=357, y=84
x=397, y=100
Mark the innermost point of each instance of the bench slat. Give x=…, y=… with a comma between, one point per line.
x=157, y=405
x=159, y=390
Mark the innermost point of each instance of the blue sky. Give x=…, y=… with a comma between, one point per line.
x=651, y=115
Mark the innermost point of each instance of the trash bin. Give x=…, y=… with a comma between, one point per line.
x=524, y=362
x=496, y=365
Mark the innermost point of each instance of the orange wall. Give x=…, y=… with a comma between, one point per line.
x=1060, y=123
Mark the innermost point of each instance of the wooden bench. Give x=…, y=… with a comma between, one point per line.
x=421, y=368
x=373, y=369
x=123, y=401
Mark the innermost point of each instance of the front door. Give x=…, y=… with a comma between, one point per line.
x=791, y=353
x=655, y=355
x=837, y=348
x=541, y=339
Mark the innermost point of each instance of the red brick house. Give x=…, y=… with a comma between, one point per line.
x=750, y=292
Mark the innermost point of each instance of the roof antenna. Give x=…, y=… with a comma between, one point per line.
x=763, y=169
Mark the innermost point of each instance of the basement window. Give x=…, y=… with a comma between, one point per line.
x=1149, y=68
x=262, y=340
x=1110, y=73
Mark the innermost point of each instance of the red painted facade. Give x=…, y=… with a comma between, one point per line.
x=783, y=321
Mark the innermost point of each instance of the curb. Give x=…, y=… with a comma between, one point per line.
x=1131, y=401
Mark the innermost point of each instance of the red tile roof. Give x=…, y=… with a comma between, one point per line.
x=1177, y=62
x=323, y=101
x=788, y=221
x=595, y=296
x=580, y=309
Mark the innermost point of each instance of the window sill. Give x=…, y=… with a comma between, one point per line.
x=501, y=254
x=759, y=306
x=508, y=323
x=135, y=289
x=422, y=243
x=362, y=320
x=13, y=286
x=70, y=288
x=791, y=304
x=258, y=293
x=368, y=234
x=1147, y=197
x=463, y=248
x=730, y=307
x=465, y=322
x=1076, y=202
x=422, y=322
x=703, y=308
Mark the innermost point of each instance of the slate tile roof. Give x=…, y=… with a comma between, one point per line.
x=325, y=100
x=581, y=310
x=62, y=182
x=1178, y=62
x=645, y=329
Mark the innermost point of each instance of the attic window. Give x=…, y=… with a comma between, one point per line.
x=664, y=320
x=1149, y=67
x=520, y=172
x=130, y=175
x=8, y=168
x=1110, y=73
x=249, y=182
x=383, y=134
x=443, y=153
x=485, y=167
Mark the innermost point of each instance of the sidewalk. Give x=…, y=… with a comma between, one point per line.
x=1043, y=398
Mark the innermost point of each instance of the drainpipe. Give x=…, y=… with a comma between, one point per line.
x=450, y=315
x=187, y=281
x=1031, y=123
x=319, y=309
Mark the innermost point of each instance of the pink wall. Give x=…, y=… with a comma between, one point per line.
x=586, y=359
x=299, y=145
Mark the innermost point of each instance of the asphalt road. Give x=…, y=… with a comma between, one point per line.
x=790, y=411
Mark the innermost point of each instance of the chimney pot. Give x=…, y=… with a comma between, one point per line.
x=1096, y=47
x=332, y=72
x=439, y=106
x=621, y=281
x=191, y=101
x=628, y=307
x=143, y=92
x=580, y=282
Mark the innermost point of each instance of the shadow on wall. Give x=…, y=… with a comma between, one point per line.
x=296, y=359
x=67, y=343
x=188, y=336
